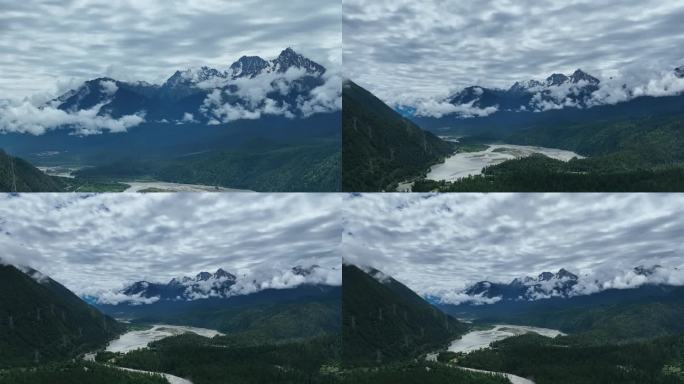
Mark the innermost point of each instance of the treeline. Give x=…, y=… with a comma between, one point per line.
x=419, y=373
x=539, y=173
x=77, y=372
x=310, y=166
x=561, y=361
x=633, y=155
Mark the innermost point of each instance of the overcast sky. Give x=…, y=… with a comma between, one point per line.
x=46, y=45
x=99, y=242
x=440, y=243
x=402, y=49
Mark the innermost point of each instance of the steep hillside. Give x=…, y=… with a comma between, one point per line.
x=41, y=320
x=380, y=148
x=383, y=320
x=18, y=175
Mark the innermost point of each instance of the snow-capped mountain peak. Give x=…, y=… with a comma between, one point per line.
x=248, y=66
x=556, y=79
x=288, y=58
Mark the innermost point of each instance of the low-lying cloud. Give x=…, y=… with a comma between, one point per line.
x=252, y=98
x=96, y=244
x=25, y=117
x=440, y=244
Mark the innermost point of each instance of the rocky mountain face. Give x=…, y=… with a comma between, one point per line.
x=290, y=75
x=561, y=284
x=204, y=285
x=546, y=284
x=207, y=284
x=572, y=90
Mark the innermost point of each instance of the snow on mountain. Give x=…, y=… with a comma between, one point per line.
x=562, y=284
x=558, y=91
x=220, y=284
x=290, y=85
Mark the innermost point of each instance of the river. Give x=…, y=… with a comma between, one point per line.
x=138, y=186
x=463, y=164
x=472, y=341
x=133, y=340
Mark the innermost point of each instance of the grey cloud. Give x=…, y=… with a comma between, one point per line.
x=441, y=244
x=44, y=42
x=97, y=243
x=403, y=50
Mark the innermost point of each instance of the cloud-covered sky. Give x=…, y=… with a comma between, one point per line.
x=92, y=243
x=48, y=46
x=403, y=49
x=442, y=243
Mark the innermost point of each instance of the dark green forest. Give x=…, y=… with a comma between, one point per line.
x=18, y=175
x=380, y=148
x=386, y=322
x=309, y=166
x=419, y=373
x=42, y=321
x=636, y=155
x=223, y=359
x=77, y=372
x=562, y=360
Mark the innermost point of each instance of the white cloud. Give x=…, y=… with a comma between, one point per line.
x=109, y=87
x=435, y=108
x=439, y=244
x=255, y=97
x=44, y=44
x=94, y=243
x=25, y=117
x=188, y=118
x=396, y=48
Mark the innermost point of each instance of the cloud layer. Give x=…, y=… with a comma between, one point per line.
x=97, y=243
x=25, y=117
x=439, y=244
x=48, y=46
x=220, y=105
x=405, y=51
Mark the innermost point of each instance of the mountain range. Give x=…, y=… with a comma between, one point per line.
x=562, y=284
x=532, y=95
x=261, y=125
x=202, y=286
x=183, y=97
x=559, y=99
